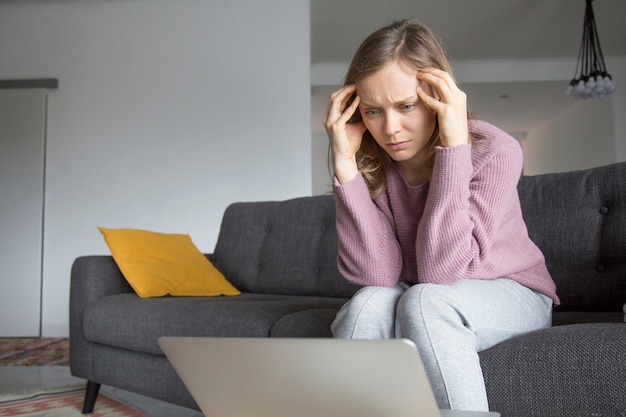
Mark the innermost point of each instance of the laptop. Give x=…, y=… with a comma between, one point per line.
x=305, y=377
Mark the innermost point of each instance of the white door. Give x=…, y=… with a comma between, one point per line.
x=22, y=144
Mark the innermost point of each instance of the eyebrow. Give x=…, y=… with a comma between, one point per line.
x=397, y=102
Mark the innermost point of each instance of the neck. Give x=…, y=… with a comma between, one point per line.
x=417, y=170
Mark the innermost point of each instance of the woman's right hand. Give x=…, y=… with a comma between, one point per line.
x=345, y=138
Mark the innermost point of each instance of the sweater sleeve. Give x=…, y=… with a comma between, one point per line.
x=368, y=250
x=466, y=212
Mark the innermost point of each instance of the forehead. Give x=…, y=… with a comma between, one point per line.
x=391, y=83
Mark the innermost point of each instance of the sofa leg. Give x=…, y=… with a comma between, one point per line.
x=91, y=394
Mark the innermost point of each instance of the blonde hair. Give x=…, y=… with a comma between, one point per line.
x=408, y=42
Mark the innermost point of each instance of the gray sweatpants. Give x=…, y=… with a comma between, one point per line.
x=449, y=324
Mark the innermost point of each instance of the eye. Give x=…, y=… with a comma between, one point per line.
x=407, y=107
x=371, y=112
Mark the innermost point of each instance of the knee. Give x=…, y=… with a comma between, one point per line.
x=423, y=296
x=424, y=303
x=381, y=299
x=370, y=310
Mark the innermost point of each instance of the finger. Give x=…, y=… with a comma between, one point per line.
x=437, y=73
x=429, y=100
x=347, y=96
x=352, y=108
x=442, y=82
x=338, y=118
x=339, y=98
x=343, y=93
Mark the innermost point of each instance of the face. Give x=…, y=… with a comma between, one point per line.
x=393, y=113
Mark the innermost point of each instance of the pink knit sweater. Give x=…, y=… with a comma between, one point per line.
x=465, y=223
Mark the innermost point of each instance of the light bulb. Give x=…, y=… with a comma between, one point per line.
x=611, y=87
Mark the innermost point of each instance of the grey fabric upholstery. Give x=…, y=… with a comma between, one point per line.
x=574, y=370
x=578, y=219
x=249, y=315
x=287, y=247
x=282, y=255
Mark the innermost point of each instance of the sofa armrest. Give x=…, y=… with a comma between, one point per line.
x=92, y=277
x=572, y=370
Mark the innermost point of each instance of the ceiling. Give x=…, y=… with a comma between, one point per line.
x=477, y=30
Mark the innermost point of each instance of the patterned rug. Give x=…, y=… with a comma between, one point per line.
x=18, y=351
x=61, y=402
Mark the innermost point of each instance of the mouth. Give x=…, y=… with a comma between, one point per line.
x=398, y=146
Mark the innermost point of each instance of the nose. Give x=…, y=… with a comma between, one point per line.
x=392, y=123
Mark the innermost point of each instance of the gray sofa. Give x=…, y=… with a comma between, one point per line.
x=282, y=256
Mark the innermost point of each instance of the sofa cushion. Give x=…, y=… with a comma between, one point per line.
x=306, y=323
x=575, y=370
x=158, y=264
x=287, y=247
x=561, y=318
x=578, y=219
x=106, y=321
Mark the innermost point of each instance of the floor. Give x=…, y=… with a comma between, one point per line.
x=14, y=379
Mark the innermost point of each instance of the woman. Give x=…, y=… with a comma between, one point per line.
x=428, y=216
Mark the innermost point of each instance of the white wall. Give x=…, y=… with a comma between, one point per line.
x=617, y=69
x=167, y=111
x=587, y=134
x=580, y=137
x=322, y=179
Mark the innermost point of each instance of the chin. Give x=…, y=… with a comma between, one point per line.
x=400, y=158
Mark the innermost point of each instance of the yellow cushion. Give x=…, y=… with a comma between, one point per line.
x=157, y=264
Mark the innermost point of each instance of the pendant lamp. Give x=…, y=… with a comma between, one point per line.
x=591, y=79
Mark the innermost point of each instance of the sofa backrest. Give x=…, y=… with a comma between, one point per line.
x=578, y=219
x=287, y=247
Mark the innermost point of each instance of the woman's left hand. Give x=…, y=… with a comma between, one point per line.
x=450, y=105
